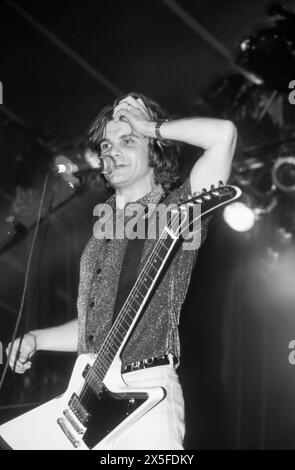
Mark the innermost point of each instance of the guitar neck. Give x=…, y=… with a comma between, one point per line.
x=134, y=303
x=206, y=202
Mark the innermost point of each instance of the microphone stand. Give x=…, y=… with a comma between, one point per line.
x=18, y=230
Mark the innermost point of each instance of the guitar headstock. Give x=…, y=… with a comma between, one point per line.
x=213, y=198
x=187, y=214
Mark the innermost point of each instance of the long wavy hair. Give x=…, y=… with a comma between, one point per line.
x=163, y=154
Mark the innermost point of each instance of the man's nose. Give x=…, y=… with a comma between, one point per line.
x=115, y=152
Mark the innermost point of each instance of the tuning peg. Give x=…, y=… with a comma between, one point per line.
x=220, y=183
x=212, y=187
x=204, y=190
x=196, y=193
x=189, y=202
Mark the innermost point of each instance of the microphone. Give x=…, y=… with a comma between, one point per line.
x=64, y=166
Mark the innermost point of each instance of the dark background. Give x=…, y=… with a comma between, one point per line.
x=238, y=318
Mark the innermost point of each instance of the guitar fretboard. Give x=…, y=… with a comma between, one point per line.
x=133, y=305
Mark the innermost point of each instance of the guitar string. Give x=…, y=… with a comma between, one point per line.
x=117, y=324
x=92, y=373
x=155, y=256
x=109, y=340
x=139, y=283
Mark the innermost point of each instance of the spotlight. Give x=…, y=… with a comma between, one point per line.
x=283, y=174
x=239, y=216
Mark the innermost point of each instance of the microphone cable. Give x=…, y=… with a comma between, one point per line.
x=26, y=280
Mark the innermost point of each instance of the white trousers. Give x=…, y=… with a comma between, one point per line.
x=163, y=426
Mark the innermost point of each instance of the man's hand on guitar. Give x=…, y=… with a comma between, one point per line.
x=28, y=348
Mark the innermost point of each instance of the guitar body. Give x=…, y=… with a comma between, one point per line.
x=112, y=411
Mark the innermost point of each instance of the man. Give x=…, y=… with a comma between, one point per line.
x=134, y=132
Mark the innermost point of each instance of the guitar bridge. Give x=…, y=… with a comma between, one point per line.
x=63, y=424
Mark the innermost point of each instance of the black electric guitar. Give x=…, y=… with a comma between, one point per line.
x=75, y=420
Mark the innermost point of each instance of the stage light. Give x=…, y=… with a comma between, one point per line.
x=283, y=174
x=239, y=217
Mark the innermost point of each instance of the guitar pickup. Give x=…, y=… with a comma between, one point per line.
x=78, y=409
x=73, y=423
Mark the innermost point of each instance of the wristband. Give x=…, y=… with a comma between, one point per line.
x=157, y=128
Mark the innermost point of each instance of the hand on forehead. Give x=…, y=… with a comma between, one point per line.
x=135, y=113
x=131, y=103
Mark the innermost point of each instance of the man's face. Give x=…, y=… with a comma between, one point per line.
x=130, y=152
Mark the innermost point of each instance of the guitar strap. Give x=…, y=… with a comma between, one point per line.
x=129, y=271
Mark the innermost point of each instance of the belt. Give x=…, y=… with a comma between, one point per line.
x=151, y=362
